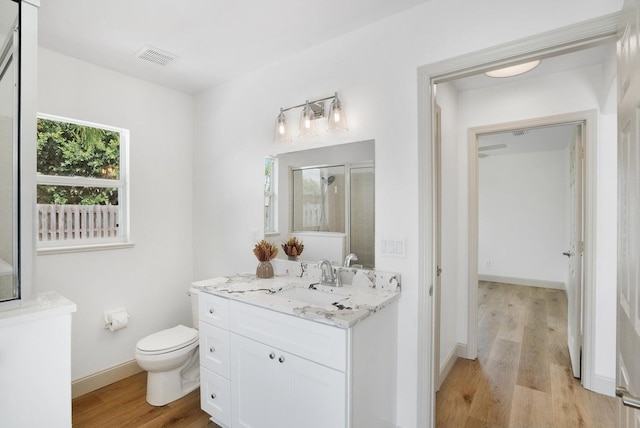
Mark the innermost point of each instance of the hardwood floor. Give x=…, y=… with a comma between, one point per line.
x=123, y=404
x=522, y=377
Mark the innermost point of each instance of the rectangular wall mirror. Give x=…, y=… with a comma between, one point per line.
x=325, y=197
x=9, y=121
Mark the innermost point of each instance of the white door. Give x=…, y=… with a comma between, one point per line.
x=628, y=307
x=574, y=283
x=438, y=244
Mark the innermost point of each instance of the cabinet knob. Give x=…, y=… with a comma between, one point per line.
x=272, y=355
x=212, y=349
x=281, y=359
x=211, y=310
x=213, y=396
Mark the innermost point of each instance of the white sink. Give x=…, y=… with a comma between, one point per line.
x=310, y=296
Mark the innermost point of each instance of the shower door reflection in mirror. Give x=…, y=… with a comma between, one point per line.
x=362, y=213
x=317, y=198
x=9, y=278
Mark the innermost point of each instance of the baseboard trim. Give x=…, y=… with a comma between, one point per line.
x=462, y=351
x=457, y=351
x=603, y=385
x=103, y=378
x=557, y=285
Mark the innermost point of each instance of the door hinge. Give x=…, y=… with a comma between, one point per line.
x=580, y=152
x=431, y=291
x=438, y=270
x=580, y=247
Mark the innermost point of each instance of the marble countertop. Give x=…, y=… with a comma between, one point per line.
x=338, y=306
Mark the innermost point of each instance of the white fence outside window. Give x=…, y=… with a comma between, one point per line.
x=76, y=222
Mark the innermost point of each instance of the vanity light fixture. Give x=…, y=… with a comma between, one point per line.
x=308, y=121
x=311, y=111
x=337, y=120
x=281, y=133
x=513, y=70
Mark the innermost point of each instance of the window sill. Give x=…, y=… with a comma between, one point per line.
x=83, y=248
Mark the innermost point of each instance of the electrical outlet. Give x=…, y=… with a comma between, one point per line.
x=487, y=263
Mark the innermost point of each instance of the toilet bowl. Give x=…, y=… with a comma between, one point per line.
x=171, y=360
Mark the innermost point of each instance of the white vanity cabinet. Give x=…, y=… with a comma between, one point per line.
x=286, y=371
x=261, y=368
x=215, y=389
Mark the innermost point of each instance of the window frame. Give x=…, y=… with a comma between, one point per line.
x=122, y=184
x=270, y=198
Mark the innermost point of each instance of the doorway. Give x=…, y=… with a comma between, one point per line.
x=549, y=44
x=530, y=245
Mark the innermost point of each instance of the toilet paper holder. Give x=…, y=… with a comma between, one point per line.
x=116, y=319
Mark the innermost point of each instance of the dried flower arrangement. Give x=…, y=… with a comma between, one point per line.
x=265, y=251
x=292, y=247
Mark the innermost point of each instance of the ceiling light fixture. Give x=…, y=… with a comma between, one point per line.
x=513, y=70
x=311, y=111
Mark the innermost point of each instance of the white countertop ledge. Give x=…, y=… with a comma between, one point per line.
x=352, y=304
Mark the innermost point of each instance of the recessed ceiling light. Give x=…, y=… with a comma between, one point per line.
x=514, y=70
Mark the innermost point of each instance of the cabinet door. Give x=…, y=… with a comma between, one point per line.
x=272, y=388
x=314, y=396
x=255, y=399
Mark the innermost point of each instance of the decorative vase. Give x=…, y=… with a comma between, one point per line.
x=264, y=270
x=292, y=258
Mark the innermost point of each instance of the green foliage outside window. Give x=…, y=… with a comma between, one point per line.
x=71, y=150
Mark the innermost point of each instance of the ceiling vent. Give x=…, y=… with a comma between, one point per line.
x=155, y=55
x=520, y=132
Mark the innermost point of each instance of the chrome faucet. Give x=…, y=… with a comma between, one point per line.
x=350, y=257
x=326, y=273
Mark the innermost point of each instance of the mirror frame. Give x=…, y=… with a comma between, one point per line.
x=11, y=59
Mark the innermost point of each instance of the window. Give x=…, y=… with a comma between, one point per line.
x=269, y=195
x=81, y=184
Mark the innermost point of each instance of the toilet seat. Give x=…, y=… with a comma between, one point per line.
x=167, y=340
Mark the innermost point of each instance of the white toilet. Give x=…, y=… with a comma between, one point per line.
x=171, y=359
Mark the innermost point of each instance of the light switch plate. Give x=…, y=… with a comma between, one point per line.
x=393, y=246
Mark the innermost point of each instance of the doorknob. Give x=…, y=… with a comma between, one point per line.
x=628, y=399
x=567, y=253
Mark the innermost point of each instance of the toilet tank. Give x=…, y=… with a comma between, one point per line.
x=193, y=295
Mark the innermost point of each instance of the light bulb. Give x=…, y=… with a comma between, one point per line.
x=336, y=120
x=281, y=128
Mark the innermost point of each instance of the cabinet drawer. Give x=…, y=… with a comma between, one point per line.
x=213, y=310
x=215, y=393
x=317, y=342
x=214, y=349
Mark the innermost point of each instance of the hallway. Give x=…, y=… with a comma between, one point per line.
x=522, y=377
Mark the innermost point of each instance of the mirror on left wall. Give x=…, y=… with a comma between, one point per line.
x=9, y=146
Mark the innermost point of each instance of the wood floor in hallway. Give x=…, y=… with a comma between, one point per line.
x=123, y=404
x=522, y=377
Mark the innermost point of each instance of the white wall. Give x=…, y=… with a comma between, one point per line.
x=522, y=217
x=152, y=278
x=566, y=92
x=375, y=71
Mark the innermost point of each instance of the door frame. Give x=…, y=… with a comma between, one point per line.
x=551, y=43
x=589, y=138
